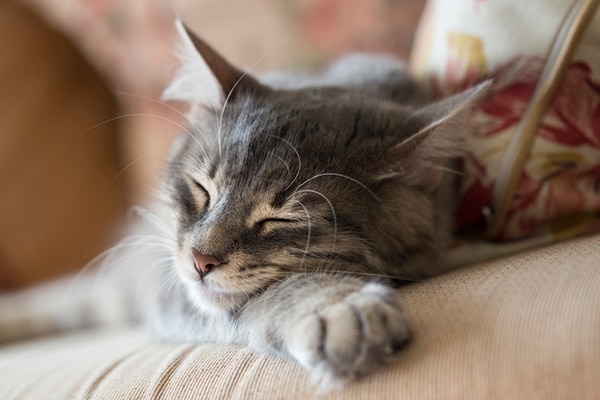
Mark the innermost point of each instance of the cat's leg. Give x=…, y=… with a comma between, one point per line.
x=73, y=302
x=337, y=327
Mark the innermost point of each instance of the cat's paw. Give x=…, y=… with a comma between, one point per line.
x=352, y=336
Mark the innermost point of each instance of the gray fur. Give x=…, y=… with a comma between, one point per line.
x=317, y=194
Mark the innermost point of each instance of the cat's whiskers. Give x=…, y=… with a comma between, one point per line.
x=165, y=105
x=287, y=142
x=333, y=174
x=131, y=115
x=143, y=242
x=443, y=168
x=228, y=97
x=175, y=110
x=132, y=163
x=287, y=167
x=217, y=120
x=152, y=218
x=380, y=275
x=163, y=262
x=333, y=213
x=160, y=117
x=163, y=118
x=322, y=268
x=202, y=148
x=308, y=234
x=169, y=282
x=279, y=276
x=105, y=260
x=150, y=99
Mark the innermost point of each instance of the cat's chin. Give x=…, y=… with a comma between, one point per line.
x=215, y=300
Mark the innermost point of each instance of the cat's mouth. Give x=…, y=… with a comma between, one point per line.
x=220, y=288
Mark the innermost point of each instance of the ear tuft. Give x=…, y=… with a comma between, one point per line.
x=205, y=78
x=440, y=129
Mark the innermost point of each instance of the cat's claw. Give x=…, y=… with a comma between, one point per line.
x=352, y=336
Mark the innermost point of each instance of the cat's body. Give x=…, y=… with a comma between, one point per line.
x=291, y=207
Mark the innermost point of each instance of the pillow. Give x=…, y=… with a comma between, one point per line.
x=531, y=173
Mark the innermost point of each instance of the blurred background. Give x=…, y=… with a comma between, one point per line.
x=83, y=133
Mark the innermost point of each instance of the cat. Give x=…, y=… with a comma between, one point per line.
x=289, y=211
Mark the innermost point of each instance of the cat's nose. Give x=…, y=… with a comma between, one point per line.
x=203, y=262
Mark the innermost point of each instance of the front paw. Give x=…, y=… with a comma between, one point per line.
x=352, y=336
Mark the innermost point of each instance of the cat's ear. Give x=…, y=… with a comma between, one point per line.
x=440, y=129
x=205, y=78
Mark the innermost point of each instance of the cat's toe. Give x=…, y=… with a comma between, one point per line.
x=352, y=336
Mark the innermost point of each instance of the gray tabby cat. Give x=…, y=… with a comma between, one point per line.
x=293, y=205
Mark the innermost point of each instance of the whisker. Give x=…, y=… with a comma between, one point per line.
x=449, y=170
x=380, y=275
x=362, y=185
x=308, y=235
x=297, y=156
x=332, y=272
x=287, y=167
x=118, y=117
x=150, y=99
x=152, y=218
x=168, y=283
x=160, y=117
x=104, y=260
x=220, y=123
x=333, y=213
x=132, y=163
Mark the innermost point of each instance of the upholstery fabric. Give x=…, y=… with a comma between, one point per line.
x=522, y=327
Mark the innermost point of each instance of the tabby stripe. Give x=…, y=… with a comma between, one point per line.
x=354, y=129
x=322, y=336
x=360, y=324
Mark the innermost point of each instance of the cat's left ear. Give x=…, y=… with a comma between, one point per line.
x=440, y=129
x=205, y=78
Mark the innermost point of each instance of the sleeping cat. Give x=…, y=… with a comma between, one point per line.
x=290, y=209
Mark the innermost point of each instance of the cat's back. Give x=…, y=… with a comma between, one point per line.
x=372, y=75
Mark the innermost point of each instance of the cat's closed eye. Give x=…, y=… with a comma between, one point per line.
x=199, y=193
x=266, y=224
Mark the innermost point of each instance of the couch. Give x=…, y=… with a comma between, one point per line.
x=520, y=327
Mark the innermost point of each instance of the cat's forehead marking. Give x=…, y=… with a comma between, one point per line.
x=211, y=169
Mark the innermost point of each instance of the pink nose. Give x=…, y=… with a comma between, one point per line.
x=203, y=262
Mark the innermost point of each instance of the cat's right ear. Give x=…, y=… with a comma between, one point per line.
x=205, y=79
x=438, y=133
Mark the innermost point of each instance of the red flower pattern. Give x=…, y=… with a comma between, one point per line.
x=562, y=175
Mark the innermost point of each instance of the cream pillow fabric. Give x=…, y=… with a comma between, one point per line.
x=532, y=170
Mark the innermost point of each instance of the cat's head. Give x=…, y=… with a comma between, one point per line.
x=269, y=182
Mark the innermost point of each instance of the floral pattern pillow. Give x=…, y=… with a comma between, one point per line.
x=558, y=189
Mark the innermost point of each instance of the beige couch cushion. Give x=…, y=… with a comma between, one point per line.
x=519, y=328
